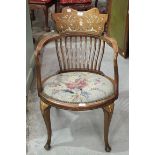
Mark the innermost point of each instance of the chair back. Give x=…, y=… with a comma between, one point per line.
x=80, y=46
x=72, y=21
x=79, y=51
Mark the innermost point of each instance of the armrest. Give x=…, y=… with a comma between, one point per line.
x=41, y=43
x=113, y=43
x=43, y=40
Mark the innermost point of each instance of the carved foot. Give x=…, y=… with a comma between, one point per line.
x=47, y=146
x=107, y=148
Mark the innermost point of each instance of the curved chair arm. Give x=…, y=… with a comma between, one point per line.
x=113, y=43
x=42, y=42
x=49, y=37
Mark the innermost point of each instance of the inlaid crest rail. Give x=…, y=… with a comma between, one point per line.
x=73, y=21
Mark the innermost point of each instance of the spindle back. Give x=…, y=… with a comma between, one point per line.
x=79, y=52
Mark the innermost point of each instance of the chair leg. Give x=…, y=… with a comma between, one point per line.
x=45, y=110
x=108, y=112
x=32, y=15
x=47, y=29
x=56, y=7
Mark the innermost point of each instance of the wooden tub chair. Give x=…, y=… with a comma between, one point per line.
x=79, y=84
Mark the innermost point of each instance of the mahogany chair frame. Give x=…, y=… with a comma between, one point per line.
x=107, y=105
x=44, y=6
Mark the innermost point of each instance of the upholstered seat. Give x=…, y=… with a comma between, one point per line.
x=40, y=1
x=78, y=87
x=75, y=1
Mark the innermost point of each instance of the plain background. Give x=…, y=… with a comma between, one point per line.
x=13, y=77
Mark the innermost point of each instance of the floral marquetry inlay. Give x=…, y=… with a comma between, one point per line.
x=72, y=21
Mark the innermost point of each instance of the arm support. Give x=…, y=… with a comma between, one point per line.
x=53, y=36
x=112, y=43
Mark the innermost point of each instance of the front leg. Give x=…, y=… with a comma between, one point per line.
x=108, y=111
x=45, y=110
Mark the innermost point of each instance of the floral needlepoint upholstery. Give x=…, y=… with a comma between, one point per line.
x=40, y=1
x=75, y=1
x=78, y=87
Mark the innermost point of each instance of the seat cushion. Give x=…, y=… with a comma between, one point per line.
x=78, y=87
x=40, y=1
x=74, y=1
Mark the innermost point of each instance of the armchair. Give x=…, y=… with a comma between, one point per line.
x=79, y=84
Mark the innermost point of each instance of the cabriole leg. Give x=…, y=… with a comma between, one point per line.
x=45, y=110
x=108, y=111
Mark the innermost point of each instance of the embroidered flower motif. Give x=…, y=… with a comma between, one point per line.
x=97, y=81
x=79, y=84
